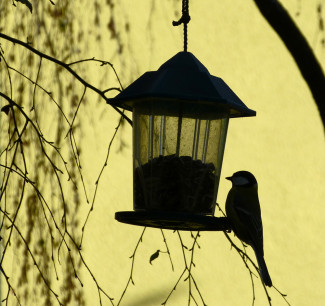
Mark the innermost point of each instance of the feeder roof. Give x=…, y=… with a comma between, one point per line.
x=182, y=78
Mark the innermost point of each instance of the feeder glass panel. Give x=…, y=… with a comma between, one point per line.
x=177, y=161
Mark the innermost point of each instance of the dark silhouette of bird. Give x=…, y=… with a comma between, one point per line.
x=244, y=214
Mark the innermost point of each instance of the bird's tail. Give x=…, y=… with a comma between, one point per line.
x=263, y=269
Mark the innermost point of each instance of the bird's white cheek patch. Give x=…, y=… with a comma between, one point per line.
x=240, y=181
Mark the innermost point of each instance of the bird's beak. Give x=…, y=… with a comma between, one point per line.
x=229, y=178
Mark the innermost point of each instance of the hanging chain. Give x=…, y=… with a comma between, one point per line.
x=185, y=19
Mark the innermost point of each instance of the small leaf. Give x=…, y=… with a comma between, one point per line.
x=154, y=256
x=27, y=3
x=6, y=109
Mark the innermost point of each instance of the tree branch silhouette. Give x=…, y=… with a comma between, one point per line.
x=70, y=70
x=311, y=70
x=13, y=109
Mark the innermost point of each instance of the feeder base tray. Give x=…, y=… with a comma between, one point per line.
x=173, y=220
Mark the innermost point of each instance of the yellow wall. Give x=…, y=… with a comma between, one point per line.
x=283, y=146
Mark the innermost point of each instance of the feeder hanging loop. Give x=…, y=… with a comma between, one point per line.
x=185, y=19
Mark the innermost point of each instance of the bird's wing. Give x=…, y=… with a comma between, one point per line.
x=253, y=223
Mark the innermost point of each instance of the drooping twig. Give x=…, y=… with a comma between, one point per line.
x=188, y=265
x=13, y=225
x=130, y=280
x=168, y=252
x=99, y=288
x=99, y=176
x=23, y=173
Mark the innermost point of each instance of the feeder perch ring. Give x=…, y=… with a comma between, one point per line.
x=173, y=220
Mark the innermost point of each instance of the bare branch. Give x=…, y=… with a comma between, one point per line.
x=69, y=69
x=311, y=70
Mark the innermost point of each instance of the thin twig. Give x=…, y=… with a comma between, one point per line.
x=130, y=280
x=187, y=271
x=168, y=252
x=99, y=176
x=43, y=89
x=13, y=225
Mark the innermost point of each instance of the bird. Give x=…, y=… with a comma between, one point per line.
x=244, y=214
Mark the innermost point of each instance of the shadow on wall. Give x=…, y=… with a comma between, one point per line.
x=157, y=297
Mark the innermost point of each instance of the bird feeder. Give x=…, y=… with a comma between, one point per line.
x=180, y=120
